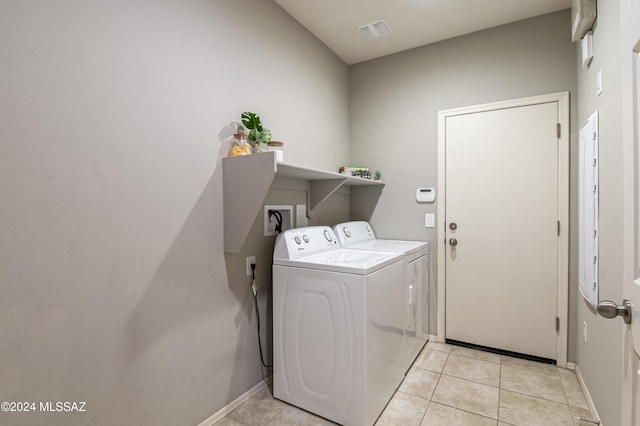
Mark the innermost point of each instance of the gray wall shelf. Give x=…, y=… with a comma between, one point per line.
x=247, y=180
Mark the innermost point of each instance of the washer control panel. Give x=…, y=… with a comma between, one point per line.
x=297, y=242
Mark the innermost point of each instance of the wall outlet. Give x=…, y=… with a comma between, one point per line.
x=584, y=331
x=270, y=220
x=250, y=260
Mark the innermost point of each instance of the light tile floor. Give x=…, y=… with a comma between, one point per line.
x=454, y=386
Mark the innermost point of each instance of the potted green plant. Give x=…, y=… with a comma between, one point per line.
x=258, y=134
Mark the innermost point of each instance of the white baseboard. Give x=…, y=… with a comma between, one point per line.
x=233, y=404
x=587, y=395
x=571, y=366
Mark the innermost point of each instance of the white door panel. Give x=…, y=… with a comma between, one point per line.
x=501, y=192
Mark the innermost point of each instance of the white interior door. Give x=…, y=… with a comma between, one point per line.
x=630, y=30
x=501, y=211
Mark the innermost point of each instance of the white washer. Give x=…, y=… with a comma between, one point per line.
x=359, y=235
x=335, y=310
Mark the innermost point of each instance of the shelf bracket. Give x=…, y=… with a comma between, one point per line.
x=320, y=190
x=245, y=181
x=363, y=201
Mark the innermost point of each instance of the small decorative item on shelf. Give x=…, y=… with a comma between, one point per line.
x=377, y=175
x=361, y=172
x=278, y=148
x=240, y=145
x=258, y=134
x=366, y=174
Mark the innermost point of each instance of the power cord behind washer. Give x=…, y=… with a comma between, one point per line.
x=254, y=288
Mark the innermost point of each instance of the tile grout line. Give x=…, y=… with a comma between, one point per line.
x=539, y=397
x=467, y=380
x=435, y=388
x=466, y=411
x=559, y=377
x=566, y=395
x=471, y=381
x=425, y=411
x=414, y=365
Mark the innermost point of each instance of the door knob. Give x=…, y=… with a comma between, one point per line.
x=453, y=242
x=453, y=226
x=609, y=309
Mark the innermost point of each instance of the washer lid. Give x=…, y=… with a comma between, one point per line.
x=361, y=262
x=406, y=247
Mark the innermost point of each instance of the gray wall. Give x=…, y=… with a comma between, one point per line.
x=395, y=102
x=114, y=288
x=600, y=359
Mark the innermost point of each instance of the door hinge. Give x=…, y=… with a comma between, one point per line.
x=558, y=228
x=557, y=324
x=558, y=128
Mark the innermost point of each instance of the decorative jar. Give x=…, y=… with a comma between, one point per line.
x=240, y=145
x=278, y=148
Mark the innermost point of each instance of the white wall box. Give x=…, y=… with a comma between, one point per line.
x=270, y=221
x=247, y=180
x=425, y=195
x=588, y=210
x=301, y=215
x=587, y=49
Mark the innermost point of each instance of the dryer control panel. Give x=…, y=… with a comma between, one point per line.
x=354, y=232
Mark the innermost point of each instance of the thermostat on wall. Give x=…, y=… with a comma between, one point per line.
x=425, y=195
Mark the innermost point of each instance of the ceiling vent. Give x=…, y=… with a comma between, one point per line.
x=375, y=29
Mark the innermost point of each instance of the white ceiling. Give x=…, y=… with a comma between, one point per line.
x=413, y=22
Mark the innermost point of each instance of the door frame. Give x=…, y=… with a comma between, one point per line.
x=562, y=98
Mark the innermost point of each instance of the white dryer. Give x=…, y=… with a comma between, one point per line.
x=359, y=235
x=334, y=310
